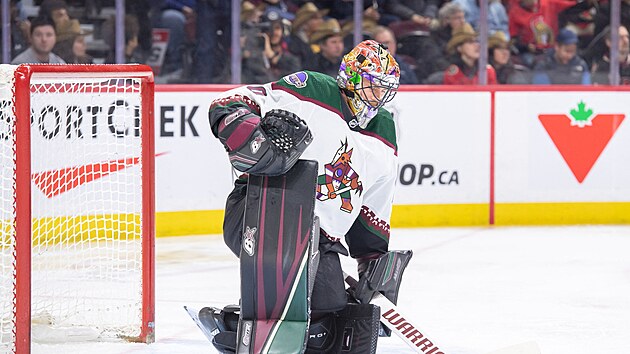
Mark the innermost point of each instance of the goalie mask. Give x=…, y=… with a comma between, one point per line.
x=369, y=75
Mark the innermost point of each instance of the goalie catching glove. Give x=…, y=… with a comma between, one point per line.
x=263, y=146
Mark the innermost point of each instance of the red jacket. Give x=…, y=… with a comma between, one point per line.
x=529, y=27
x=454, y=75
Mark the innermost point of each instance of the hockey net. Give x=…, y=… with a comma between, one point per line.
x=90, y=228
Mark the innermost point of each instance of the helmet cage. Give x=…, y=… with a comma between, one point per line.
x=382, y=88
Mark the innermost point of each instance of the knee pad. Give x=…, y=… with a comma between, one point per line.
x=329, y=290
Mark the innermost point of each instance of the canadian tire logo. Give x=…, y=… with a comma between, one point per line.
x=581, y=136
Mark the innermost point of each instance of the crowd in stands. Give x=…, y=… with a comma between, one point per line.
x=435, y=41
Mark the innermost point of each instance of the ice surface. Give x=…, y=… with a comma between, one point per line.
x=473, y=289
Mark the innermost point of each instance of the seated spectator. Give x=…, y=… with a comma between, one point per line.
x=367, y=31
x=70, y=44
x=281, y=61
x=57, y=10
x=20, y=29
x=497, y=15
x=330, y=42
x=176, y=15
x=601, y=66
x=343, y=10
x=212, y=51
x=385, y=36
x=562, y=65
x=420, y=12
x=451, y=16
x=131, y=40
x=531, y=35
x=499, y=56
x=307, y=20
x=464, y=48
x=255, y=64
x=43, y=40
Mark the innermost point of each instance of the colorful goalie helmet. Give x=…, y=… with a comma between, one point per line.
x=371, y=75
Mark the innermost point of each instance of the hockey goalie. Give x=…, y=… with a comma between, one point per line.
x=318, y=157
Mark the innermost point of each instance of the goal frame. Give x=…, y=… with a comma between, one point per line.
x=23, y=202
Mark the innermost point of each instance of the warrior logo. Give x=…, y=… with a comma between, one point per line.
x=297, y=79
x=256, y=143
x=232, y=117
x=249, y=243
x=339, y=179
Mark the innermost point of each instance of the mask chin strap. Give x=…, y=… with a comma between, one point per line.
x=363, y=112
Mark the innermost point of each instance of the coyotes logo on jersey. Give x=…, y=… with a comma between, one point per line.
x=339, y=179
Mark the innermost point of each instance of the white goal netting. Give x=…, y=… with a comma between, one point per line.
x=87, y=203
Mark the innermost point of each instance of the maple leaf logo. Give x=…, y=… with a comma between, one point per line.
x=581, y=116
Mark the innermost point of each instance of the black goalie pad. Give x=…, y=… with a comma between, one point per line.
x=277, y=247
x=353, y=330
x=384, y=275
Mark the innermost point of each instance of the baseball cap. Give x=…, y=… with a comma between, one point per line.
x=566, y=36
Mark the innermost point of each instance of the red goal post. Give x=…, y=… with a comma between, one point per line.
x=77, y=204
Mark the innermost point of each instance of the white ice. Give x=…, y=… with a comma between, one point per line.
x=473, y=290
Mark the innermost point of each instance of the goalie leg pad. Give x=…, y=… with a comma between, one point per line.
x=234, y=215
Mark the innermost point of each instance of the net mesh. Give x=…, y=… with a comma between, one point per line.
x=87, y=249
x=86, y=144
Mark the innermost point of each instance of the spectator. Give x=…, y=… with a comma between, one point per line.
x=451, y=16
x=343, y=10
x=367, y=32
x=176, y=15
x=464, y=48
x=213, y=41
x=307, y=20
x=499, y=56
x=57, y=10
x=141, y=10
x=601, y=67
x=562, y=65
x=330, y=42
x=497, y=16
x=20, y=29
x=281, y=61
x=131, y=39
x=255, y=64
x=43, y=39
x=70, y=45
x=385, y=36
x=530, y=33
x=421, y=12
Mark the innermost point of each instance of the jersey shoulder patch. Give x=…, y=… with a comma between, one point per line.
x=298, y=79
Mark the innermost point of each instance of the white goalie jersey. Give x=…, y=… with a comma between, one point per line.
x=357, y=167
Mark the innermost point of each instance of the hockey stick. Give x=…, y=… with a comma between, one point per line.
x=337, y=192
x=410, y=333
x=399, y=323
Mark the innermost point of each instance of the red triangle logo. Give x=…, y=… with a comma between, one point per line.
x=581, y=146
